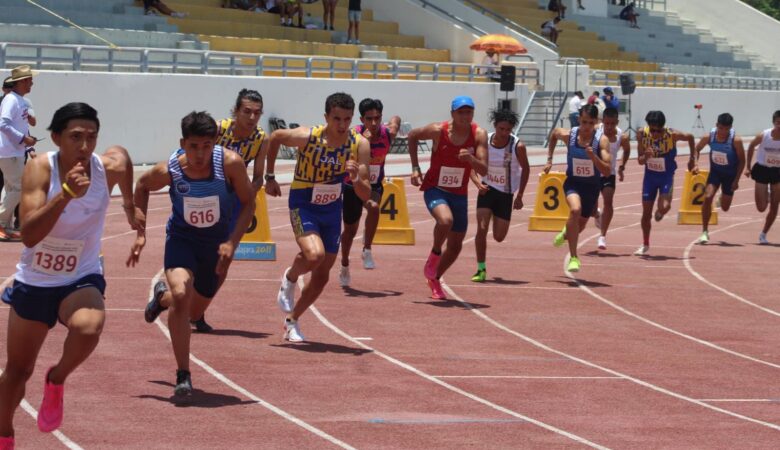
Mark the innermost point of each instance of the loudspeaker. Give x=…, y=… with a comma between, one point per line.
x=627, y=83
x=507, y=78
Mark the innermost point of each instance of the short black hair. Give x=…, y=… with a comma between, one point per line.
x=726, y=119
x=504, y=115
x=590, y=110
x=198, y=123
x=339, y=100
x=596, y=93
x=656, y=118
x=247, y=94
x=776, y=115
x=367, y=104
x=579, y=94
x=610, y=112
x=72, y=111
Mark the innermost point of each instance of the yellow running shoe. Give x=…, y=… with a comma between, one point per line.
x=560, y=238
x=479, y=277
x=574, y=264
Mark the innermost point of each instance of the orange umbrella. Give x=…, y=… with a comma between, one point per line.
x=499, y=43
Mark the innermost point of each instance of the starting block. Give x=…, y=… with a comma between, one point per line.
x=551, y=210
x=693, y=198
x=394, y=227
x=256, y=244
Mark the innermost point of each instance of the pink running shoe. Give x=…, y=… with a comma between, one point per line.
x=6, y=443
x=50, y=413
x=431, y=266
x=436, y=290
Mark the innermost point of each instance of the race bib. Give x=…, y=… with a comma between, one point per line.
x=323, y=194
x=451, y=177
x=720, y=158
x=373, y=173
x=772, y=159
x=582, y=167
x=201, y=212
x=56, y=256
x=497, y=175
x=656, y=164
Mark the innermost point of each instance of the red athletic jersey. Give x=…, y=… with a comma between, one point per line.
x=447, y=171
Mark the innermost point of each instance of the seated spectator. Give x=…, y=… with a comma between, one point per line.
x=629, y=13
x=557, y=6
x=160, y=8
x=490, y=64
x=610, y=99
x=329, y=7
x=273, y=6
x=353, y=16
x=246, y=5
x=290, y=8
x=549, y=29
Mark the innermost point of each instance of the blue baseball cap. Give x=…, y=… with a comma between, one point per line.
x=461, y=101
x=608, y=89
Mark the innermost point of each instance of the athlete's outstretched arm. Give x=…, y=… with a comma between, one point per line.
x=603, y=162
x=430, y=131
x=119, y=171
x=558, y=133
x=152, y=180
x=739, y=147
x=297, y=137
x=478, y=161
x=522, y=159
x=37, y=215
x=696, y=152
x=751, y=148
x=358, y=170
x=239, y=180
x=642, y=152
x=680, y=136
x=259, y=168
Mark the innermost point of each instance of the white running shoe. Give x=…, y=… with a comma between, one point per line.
x=762, y=239
x=602, y=243
x=642, y=251
x=286, y=297
x=344, y=278
x=292, y=331
x=597, y=219
x=368, y=259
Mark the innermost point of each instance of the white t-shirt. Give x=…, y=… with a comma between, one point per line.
x=575, y=104
x=13, y=125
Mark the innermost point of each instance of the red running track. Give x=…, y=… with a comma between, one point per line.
x=676, y=350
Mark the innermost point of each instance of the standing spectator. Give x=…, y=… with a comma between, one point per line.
x=575, y=104
x=595, y=99
x=8, y=86
x=610, y=99
x=550, y=30
x=353, y=14
x=629, y=13
x=330, y=11
x=14, y=139
x=160, y=8
x=557, y=6
x=290, y=8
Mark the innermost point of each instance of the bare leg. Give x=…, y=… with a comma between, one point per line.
x=450, y=254
x=443, y=216
x=774, y=202
x=480, y=240
x=314, y=286
x=647, y=215
x=182, y=290
x=347, y=237
x=573, y=223
x=762, y=196
x=372, y=221
x=706, y=207
x=608, y=194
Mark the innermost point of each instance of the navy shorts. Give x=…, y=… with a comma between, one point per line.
x=607, y=182
x=724, y=180
x=457, y=203
x=654, y=184
x=588, y=192
x=498, y=202
x=326, y=222
x=353, y=205
x=198, y=257
x=42, y=304
x=765, y=175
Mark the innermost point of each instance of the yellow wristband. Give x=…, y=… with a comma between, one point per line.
x=67, y=189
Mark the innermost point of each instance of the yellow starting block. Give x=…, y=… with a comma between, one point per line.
x=256, y=244
x=394, y=228
x=693, y=198
x=551, y=210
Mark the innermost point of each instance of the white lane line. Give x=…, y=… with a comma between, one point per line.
x=697, y=275
x=130, y=232
x=643, y=383
x=526, y=377
x=493, y=286
x=656, y=324
x=741, y=400
x=450, y=387
x=66, y=441
x=219, y=376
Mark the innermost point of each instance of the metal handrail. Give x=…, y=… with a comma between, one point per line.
x=539, y=39
x=650, y=4
x=525, y=112
x=133, y=59
x=453, y=17
x=563, y=92
x=663, y=79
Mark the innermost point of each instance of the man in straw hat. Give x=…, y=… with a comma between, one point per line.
x=14, y=140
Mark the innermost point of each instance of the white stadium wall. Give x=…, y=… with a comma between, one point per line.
x=143, y=111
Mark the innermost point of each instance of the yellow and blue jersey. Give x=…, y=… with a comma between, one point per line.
x=320, y=164
x=248, y=148
x=663, y=147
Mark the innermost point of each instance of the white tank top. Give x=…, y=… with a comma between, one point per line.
x=613, y=149
x=71, y=250
x=503, y=168
x=769, y=151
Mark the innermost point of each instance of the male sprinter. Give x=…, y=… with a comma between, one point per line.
x=617, y=140
x=766, y=173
